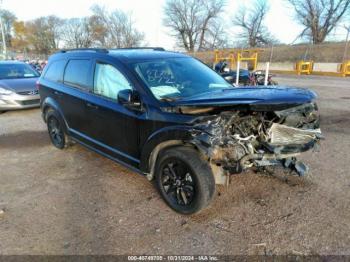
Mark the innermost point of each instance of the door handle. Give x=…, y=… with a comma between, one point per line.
x=91, y=106
x=58, y=93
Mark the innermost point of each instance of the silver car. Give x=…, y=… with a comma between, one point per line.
x=18, y=86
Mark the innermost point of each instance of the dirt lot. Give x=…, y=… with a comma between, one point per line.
x=77, y=202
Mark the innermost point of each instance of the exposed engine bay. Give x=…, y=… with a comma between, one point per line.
x=237, y=140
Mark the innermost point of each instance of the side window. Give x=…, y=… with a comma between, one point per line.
x=55, y=71
x=108, y=81
x=77, y=73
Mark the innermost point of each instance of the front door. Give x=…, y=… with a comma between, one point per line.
x=114, y=128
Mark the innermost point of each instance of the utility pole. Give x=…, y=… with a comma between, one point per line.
x=346, y=43
x=4, y=48
x=271, y=54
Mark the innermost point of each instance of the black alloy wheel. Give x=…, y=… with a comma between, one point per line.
x=178, y=182
x=56, y=132
x=184, y=179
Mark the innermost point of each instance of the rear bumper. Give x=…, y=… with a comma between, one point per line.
x=15, y=101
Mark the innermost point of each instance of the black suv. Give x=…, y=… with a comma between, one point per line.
x=170, y=117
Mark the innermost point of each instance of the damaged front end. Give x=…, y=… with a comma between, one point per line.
x=236, y=140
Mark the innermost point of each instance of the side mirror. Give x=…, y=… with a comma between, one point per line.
x=129, y=98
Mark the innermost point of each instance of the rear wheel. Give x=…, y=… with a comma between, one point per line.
x=55, y=129
x=184, y=180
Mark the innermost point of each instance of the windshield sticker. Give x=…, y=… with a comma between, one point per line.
x=29, y=75
x=163, y=91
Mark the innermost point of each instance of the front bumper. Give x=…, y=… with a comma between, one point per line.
x=16, y=101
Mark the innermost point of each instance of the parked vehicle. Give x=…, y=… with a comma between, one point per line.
x=168, y=116
x=257, y=78
x=230, y=75
x=18, y=86
x=246, y=78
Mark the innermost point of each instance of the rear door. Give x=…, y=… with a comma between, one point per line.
x=78, y=84
x=52, y=80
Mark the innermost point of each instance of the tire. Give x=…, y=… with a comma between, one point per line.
x=184, y=180
x=55, y=128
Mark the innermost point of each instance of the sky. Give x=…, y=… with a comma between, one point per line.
x=148, y=16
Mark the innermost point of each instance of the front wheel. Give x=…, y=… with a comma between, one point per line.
x=184, y=180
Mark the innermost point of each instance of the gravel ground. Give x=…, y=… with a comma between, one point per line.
x=77, y=202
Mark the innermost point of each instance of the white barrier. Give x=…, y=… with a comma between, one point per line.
x=237, y=73
x=267, y=73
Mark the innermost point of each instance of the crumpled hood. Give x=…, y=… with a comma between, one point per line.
x=20, y=84
x=275, y=95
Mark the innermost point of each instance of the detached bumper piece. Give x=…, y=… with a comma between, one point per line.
x=282, y=135
x=286, y=140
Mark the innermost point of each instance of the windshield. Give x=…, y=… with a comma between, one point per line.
x=12, y=71
x=177, y=78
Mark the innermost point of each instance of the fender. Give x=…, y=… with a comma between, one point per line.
x=167, y=136
x=50, y=102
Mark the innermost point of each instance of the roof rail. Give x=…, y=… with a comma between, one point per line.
x=137, y=48
x=104, y=50
x=97, y=50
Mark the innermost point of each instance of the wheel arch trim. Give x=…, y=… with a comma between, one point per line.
x=158, y=141
x=52, y=103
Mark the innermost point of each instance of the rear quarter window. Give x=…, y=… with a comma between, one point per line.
x=55, y=71
x=77, y=73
